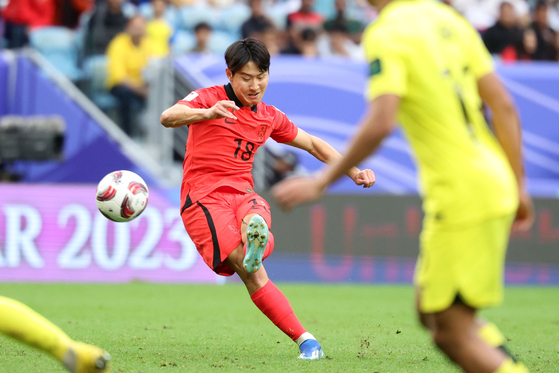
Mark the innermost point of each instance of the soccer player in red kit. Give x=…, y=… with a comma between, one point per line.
x=227, y=221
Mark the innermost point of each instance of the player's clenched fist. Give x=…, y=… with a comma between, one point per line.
x=525, y=214
x=222, y=109
x=365, y=178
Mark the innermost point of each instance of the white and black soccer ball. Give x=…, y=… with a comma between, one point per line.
x=122, y=196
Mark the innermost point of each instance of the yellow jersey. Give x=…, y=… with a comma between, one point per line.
x=428, y=55
x=159, y=32
x=126, y=60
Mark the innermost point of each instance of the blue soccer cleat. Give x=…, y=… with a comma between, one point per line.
x=311, y=350
x=257, y=239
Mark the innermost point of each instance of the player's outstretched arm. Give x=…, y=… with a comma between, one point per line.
x=375, y=126
x=180, y=115
x=325, y=153
x=509, y=133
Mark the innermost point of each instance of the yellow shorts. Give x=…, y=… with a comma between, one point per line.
x=467, y=262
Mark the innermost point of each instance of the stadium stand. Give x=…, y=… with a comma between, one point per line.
x=58, y=45
x=67, y=49
x=95, y=68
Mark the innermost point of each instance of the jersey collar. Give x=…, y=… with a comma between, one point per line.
x=233, y=97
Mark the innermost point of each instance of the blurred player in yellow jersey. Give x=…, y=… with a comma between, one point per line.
x=22, y=323
x=430, y=71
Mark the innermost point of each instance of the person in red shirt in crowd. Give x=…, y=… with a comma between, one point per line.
x=20, y=16
x=523, y=50
x=305, y=17
x=302, y=20
x=505, y=33
x=68, y=12
x=228, y=222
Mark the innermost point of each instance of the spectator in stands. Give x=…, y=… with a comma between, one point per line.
x=127, y=56
x=354, y=28
x=270, y=37
x=553, y=14
x=307, y=45
x=180, y=3
x=278, y=166
x=68, y=12
x=482, y=14
x=339, y=44
x=257, y=21
x=158, y=30
x=546, y=36
x=20, y=16
x=524, y=48
x=202, y=31
x=505, y=33
x=105, y=23
x=304, y=19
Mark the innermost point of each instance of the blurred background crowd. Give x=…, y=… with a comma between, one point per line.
x=104, y=46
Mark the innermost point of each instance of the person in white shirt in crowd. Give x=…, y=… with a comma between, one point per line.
x=337, y=43
x=553, y=14
x=483, y=14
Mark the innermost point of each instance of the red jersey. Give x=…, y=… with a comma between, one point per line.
x=33, y=13
x=220, y=152
x=302, y=20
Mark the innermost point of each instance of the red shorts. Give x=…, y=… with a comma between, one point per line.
x=214, y=224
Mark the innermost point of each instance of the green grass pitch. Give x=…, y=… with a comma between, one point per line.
x=187, y=328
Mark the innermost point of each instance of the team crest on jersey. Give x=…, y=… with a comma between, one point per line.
x=375, y=67
x=261, y=132
x=191, y=96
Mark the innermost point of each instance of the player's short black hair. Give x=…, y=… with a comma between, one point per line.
x=202, y=26
x=243, y=51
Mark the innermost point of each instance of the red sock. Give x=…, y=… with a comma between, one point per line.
x=271, y=301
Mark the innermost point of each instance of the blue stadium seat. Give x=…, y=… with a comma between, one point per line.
x=129, y=9
x=190, y=16
x=182, y=42
x=59, y=46
x=278, y=15
x=232, y=18
x=220, y=40
x=146, y=10
x=171, y=13
x=95, y=68
x=325, y=8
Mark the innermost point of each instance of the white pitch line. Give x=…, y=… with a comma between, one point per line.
x=532, y=95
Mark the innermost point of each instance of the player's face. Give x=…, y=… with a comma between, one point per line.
x=249, y=83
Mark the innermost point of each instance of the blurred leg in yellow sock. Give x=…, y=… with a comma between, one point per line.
x=22, y=323
x=489, y=333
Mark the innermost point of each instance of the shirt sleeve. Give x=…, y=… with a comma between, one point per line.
x=284, y=129
x=199, y=99
x=481, y=62
x=387, y=69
